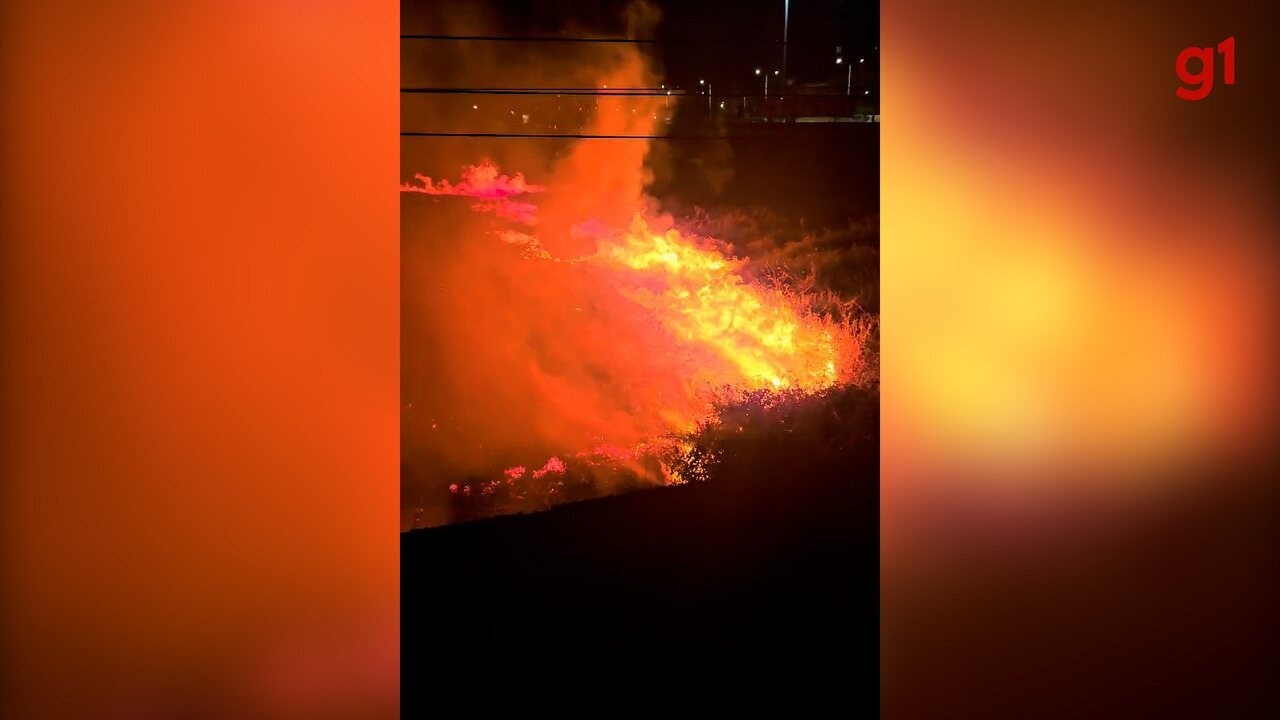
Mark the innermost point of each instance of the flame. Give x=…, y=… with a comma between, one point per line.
x=484, y=182
x=729, y=334
x=478, y=181
x=554, y=465
x=702, y=299
x=763, y=337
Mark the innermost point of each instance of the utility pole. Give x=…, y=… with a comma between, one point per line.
x=786, y=21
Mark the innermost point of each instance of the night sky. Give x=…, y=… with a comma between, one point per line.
x=716, y=41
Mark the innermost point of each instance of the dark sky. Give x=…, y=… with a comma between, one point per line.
x=722, y=42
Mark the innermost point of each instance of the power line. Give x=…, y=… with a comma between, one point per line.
x=609, y=92
x=549, y=90
x=622, y=92
x=562, y=39
x=556, y=136
x=574, y=136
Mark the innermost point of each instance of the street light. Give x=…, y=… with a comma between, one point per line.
x=766, y=81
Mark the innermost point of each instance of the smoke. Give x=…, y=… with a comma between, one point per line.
x=483, y=181
x=508, y=357
x=522, y=344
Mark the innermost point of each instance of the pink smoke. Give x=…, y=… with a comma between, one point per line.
x=478, y=181
x=484, y=182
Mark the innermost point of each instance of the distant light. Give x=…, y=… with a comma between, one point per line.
x=866, y=92
x=475, y=107
x=862, y=60
x=668, y=92
x=721, y=104
x=757, y=71
x=839, y=61
x=702, y=82
x=775, y=72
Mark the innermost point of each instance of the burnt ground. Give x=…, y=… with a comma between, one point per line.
x=760, y=582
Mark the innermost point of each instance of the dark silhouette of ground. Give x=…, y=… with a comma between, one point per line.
x=761, y=581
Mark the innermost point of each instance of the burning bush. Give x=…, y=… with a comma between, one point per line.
x=735, y=350
x=567, y=338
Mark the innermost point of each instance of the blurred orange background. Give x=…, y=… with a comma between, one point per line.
x=1078, y=360
x=201, y=372
x=1079, y=267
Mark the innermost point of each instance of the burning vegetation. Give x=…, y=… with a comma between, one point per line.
x=746, y=350
x=566, y=338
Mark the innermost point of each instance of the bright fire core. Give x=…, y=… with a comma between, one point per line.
x=702, y=299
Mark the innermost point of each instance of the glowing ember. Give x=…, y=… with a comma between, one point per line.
x=554, y=465
x=478, y=181
x=484, y=182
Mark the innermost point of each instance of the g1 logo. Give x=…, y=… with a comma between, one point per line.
x=1199, y=84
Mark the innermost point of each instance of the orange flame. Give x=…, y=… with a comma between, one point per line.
x=484, y=182
x=478, y=181
x=733, y=335
x=701, y=298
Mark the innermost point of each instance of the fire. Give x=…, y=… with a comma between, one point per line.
x=702, y=299
x=712, y=333
x=554, y=465
x=478, y=181
x=484, y=182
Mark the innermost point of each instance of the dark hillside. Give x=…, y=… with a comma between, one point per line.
x=764, y=580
